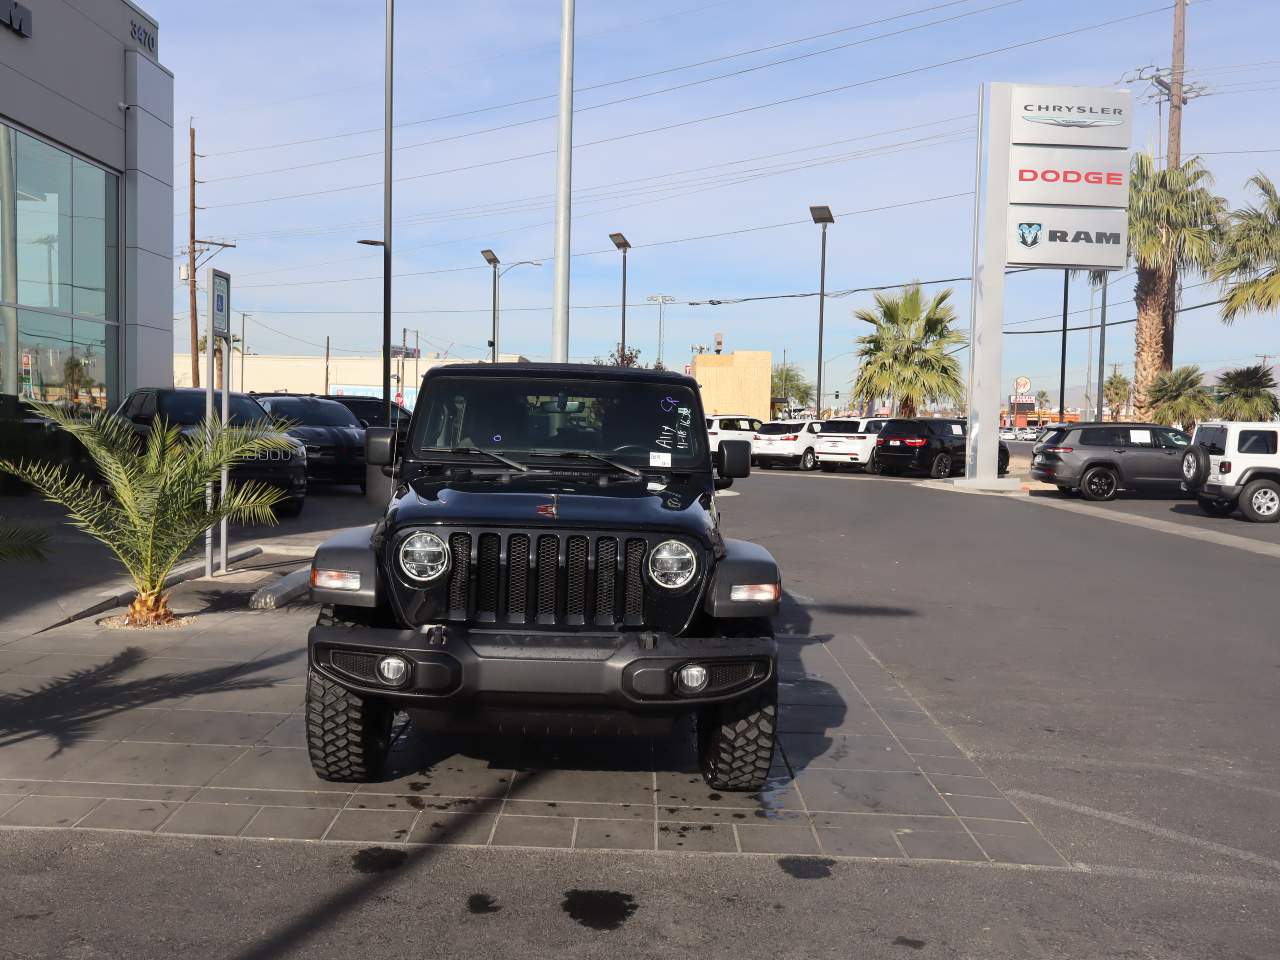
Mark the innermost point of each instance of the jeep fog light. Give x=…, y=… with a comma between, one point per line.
x=672, y=564
x=692, y=678
x=761, y=592
x=424, y=556
x=392, y=670
x=335, y=579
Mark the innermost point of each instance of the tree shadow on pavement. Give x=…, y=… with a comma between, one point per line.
x=66, y=708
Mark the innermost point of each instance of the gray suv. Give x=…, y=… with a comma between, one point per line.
x=1101, y=459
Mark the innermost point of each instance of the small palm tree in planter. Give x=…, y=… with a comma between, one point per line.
x=149, y=506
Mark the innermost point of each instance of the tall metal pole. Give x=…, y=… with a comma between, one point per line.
x=564, y=189
x=191, y=256
x=326, y=366
x=227, y=368
x=242, y=349
x=1062, y=371
x=977, y=231
x=386, y=216
x=493, y=339
x=662, y=304
x=208, y=423
x=1174, y=155
x=822, y=302
x=622, y=343
x=1102, y=348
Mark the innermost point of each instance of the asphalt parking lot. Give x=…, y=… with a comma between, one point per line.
x=1008, y=731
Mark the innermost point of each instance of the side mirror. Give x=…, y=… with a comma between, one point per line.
x=734, y=459
x=364, y=423
x=377, y=446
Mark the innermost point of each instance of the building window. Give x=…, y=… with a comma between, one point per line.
x=59, y=274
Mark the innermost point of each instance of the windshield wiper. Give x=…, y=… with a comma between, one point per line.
x=584, y=455
x=514, y=465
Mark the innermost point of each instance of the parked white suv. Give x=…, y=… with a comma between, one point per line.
x=848, y=442
x=789, y=442
x=725, y=426
x=1230, y=465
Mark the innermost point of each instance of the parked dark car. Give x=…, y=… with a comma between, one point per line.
x=334, y=438
x=31, y=436
x=931, y=445
x=185, y=406
x=371, y=413
x=551, y=562
x=1101, y=459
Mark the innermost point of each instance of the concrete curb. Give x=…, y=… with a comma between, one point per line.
x=122, y=593
x=286, y=589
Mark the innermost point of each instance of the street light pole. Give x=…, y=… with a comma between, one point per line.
x=386, y=215
x=564, y=189
x=491, y=259
x=621, y=243
x=823, y=216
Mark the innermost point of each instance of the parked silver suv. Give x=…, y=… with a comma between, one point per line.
x=1101, y=459
x=1235, y=464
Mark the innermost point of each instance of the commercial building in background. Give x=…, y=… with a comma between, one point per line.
x=86, y=203
x=735, y=382
x=353, y=376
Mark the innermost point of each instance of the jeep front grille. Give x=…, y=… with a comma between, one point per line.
x=547, y=579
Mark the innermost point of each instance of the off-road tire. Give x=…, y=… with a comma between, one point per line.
x=1216, y=507
x=736, y=740
x=348, y=734
x=1260, y=501
x=1195, y=466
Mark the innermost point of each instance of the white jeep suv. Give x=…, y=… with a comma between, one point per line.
x=1235, y=464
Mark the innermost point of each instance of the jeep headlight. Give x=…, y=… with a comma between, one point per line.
x=672, y=564
x=424, y=556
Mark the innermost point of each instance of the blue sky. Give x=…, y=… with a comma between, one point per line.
x=259, y=75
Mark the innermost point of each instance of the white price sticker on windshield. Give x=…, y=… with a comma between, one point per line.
x=659, y=459
x=957, y=430
x=1142, y=437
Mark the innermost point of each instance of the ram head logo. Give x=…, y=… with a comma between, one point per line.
x=1028, y=234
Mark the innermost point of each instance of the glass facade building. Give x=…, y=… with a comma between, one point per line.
x=59, y=274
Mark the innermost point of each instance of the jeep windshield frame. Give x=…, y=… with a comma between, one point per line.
x=601, y=422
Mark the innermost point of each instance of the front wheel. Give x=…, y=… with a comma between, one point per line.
x=808, y=460
x=1216, y=507
x=1260, y=501
x=348, y=735
x=736, y=740
x=1099, y=484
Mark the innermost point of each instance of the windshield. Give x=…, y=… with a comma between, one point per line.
x=372, y=409
x=311, y=413
x=839, y=426
x=187, y=409
x=628, y=421
x=778, y=428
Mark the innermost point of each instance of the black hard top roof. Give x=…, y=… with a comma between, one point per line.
x=579, y=371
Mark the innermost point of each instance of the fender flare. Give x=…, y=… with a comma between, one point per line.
x=348, y=550
x=743, y=562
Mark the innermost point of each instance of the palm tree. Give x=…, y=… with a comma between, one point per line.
x=217, y=354
x=150, y=507
x=1174, y=225
x=21, y=543
x=1179, y=398
x=1249, y=258
x=1115, y=390
x=909, y=355
x=1247, y=393
x=788, y=382
x=1043, y=400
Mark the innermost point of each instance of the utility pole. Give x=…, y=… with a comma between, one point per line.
x=564, y=190
x=1173, y=156
x=417, y=355
x=242, y=349
x=1266, y=360
x=326, y=366
x=191, y=255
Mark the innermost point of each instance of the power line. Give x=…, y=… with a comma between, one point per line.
x=621, y=100
x=697, y=120
x=1110, y=323
x=608, y=83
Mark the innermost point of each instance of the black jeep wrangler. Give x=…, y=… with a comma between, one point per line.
x=550, y=562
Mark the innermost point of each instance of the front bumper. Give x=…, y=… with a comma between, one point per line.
x=451, y=667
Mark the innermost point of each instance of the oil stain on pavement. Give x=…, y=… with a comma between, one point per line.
x=599, y=909
x=806, y=868
x=378, y=860
x=480, y=903
x=909, y=942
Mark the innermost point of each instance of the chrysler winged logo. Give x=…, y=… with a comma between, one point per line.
x=1056, y=121
x=550, y=510
x=1028, y=234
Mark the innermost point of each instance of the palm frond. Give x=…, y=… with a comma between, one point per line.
x=1179, y=398
x=21, y=542
x=1248, y=393
x=1248, y=264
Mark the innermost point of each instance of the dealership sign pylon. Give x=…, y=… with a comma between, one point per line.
x=1055, y=195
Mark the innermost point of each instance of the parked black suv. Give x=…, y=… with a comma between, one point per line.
x=334, y=438
x=184, y=407
x=932, y=445
x=371, y=412
x=550, y=561
x=1101, y=459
